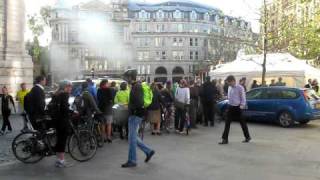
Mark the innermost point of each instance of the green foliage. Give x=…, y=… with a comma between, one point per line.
x=37, y=23
x=299, y=37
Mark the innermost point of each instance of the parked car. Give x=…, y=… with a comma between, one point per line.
x=283, y=105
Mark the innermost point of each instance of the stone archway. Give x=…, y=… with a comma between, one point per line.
x=177, y=74
x=161, y=74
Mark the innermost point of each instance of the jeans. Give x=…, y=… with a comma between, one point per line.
x=134, y=140
x=180, y=118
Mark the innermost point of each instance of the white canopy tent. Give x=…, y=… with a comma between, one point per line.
x=294, y=72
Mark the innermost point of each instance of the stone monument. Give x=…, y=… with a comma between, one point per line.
x=15, y=65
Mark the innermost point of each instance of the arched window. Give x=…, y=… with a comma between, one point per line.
x=160, y=14
x=161, y=70
x=177, y=14
x=178, y=70
x=194, y=15
x=207, y=16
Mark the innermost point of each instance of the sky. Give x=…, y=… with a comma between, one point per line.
x=247, y=9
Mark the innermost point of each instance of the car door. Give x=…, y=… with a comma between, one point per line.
x=253, y=99
x=260, y=107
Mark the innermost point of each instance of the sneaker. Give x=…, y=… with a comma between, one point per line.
x=149, y=156
x=62, y=164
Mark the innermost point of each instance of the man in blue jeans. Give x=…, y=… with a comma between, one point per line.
x=136, y=108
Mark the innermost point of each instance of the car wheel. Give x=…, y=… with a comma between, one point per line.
x=285, y=119
x=304, y=122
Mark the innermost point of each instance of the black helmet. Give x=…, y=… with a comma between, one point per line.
x=130, y=75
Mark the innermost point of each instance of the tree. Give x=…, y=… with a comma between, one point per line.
x=37, y=24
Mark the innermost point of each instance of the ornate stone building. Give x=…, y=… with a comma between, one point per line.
x=165, y=41
x=89, y=38
x=15, y=65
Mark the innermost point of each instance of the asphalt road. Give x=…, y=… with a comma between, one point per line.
x=274, y=154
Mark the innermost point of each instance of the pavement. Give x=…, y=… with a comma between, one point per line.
x=275, y=153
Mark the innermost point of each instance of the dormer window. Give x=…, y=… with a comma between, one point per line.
x=177, y=14
x=143, y=14
x=206, y=17
x=160, y=14
x=193, y=15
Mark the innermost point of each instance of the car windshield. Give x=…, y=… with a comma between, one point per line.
x=311, y=95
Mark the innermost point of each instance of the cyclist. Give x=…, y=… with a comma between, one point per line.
x=61, y=120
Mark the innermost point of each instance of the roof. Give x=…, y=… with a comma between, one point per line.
x=182, y=5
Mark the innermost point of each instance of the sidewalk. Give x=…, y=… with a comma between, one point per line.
x=6, y=154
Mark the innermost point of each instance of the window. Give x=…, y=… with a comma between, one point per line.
x=180, y=27
x=143, y=55
x=143, y=27
x=177, y=14
x=160, y=14
x=191, y=42
x=175, y=42
x=207, y=17
x=180, y=42
x=158, y=55
x=157, y=41
x=197, y=55
x=163, y=55
x=177, y=55
x=143, y=42
x=289, y=94
x=191, y=55
x=254, y=94
x=193, y=15
x=196, y=42
x=160, y=28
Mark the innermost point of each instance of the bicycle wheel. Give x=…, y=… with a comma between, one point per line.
x=98, y=135
x=25, y=148
x=82, y=146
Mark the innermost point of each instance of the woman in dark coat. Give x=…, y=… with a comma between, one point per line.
x=6, y=99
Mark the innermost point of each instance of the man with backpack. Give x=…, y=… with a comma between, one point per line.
x=138, y=102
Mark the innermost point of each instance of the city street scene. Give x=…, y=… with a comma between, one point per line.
x=160, y=89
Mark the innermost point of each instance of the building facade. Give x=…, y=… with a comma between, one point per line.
x=181, y=39
x=16, y=66
x=165, y=41
x=89, y=39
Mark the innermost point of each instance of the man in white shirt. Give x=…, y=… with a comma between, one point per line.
x=236, y=103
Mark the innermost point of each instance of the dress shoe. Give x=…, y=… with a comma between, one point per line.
x=246, y=140
x=149, y=156
x=223, y=142
x=128, y=165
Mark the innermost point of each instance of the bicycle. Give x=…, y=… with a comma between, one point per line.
x=32, y=146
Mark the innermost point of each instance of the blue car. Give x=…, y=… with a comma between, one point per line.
x=282, y=105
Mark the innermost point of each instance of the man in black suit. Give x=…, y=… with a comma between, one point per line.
x=37, y=101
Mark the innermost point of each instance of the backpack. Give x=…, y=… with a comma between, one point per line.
x=147, y=95
x=54, y=106
x=27, y=106
x=78, y=104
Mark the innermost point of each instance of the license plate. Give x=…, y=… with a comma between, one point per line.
x=318, y=106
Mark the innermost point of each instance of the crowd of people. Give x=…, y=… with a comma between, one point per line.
x=171, y=103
